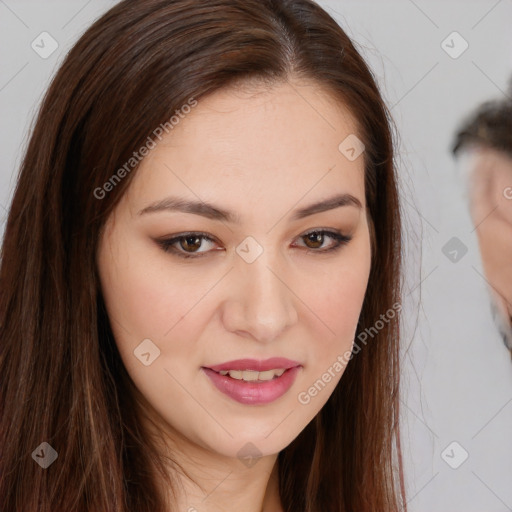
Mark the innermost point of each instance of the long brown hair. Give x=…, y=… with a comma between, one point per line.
x=63, y=381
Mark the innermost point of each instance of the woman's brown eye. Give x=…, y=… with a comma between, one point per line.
x=317, y=239
x=188, y=245
x=191, y=243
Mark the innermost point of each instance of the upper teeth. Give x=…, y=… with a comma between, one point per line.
x=251, y=375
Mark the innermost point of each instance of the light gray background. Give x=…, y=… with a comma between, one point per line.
x=457, y=374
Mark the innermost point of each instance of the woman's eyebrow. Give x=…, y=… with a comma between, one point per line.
x=174, y=203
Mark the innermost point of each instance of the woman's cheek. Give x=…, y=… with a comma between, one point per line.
x=341, y=302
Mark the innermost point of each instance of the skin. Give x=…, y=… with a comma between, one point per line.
x=263, y=153
x=490, y=193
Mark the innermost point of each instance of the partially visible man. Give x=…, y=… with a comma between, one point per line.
x=483, y=146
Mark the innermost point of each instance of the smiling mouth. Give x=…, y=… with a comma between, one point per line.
x=253, y=376
x=263, y=383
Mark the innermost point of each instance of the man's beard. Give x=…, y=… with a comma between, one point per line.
x=504, y=327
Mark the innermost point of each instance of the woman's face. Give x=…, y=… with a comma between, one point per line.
x=255, y=176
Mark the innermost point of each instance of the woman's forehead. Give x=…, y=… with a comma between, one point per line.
x=285, y=139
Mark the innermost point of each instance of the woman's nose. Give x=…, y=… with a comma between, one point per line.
x=260, y=303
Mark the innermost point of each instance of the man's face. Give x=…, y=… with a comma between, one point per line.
x=490, y=193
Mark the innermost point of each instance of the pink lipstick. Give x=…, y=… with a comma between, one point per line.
x=251, y=381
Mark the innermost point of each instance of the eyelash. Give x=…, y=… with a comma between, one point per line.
x=167, y=244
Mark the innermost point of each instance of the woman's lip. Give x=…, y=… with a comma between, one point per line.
x=255, y=364
x=253, y=392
